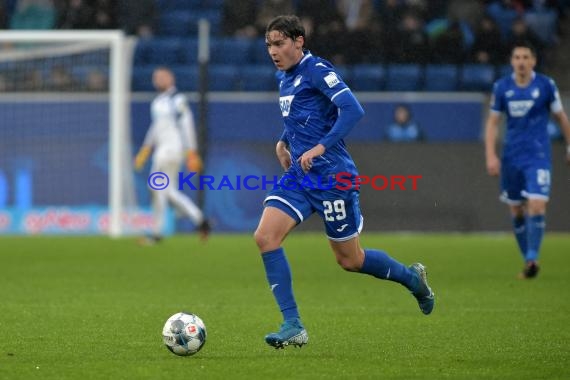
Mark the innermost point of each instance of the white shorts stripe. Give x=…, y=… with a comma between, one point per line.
x=274, y=197
x=511, y=202
x=534, y=196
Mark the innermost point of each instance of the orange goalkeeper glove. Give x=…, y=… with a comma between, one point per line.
x=194, y=162
x=141, y=157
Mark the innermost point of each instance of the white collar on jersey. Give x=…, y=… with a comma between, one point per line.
x=305, y=57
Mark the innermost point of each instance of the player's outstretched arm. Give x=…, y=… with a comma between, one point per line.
x=491, y=132
x=562, y=119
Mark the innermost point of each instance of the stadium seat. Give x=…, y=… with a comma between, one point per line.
x=223, y=78
x=504, y=70
x=258, y=78
x=186, y=77
x=544, y=24
x=212, y=4
x=81, y=73
x=367, y=77
x=213, y=16
x=441, y=78
x=179, y=24
x=259, y=54
x=234, y=50
x=477, y=77
x=142, y=78
x=403, y=77
x=189, y=51
x=504, y=17
x=178, y=5
x=141, y=55
x=162, y=51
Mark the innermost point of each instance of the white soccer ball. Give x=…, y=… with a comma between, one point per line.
x=184, y=334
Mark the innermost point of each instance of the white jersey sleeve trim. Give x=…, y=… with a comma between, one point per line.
x=556, y=106
x=340, y=92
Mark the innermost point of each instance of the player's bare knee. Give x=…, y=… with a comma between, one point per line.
x=349, y=264
x=266, y=241
x=536, y=207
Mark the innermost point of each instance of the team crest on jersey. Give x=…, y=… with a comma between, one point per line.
x=331, y=79
x=509, y=94
x=535, y=93
x=519, y=108
x=297, y=80
x=285, y=104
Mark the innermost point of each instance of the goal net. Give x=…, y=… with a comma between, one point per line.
x=65, y=156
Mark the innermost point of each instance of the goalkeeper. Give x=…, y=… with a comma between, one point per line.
x=171, y=138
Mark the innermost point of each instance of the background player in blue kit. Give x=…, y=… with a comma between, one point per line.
x=527, y=98
x=318, y=111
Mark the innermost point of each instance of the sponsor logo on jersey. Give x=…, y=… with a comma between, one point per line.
x=297, y=80
x=285, y=104
x=519, y=108
x=331, y=79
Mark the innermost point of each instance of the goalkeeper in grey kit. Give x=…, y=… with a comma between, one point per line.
x=171, y=139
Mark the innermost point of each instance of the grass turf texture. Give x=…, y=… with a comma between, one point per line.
x=93, y=308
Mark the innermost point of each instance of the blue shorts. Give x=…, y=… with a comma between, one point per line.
x=531, y=181
x=339, y=209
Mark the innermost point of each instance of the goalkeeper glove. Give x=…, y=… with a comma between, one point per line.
x=194, y=162
x=141, y=157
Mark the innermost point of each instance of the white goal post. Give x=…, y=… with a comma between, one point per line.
x=119, y=72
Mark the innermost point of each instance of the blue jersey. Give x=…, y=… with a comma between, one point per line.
x=528, y=112
x=306, y=98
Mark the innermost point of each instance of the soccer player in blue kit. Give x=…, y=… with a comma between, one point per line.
x=318, y=111
x=527, y=98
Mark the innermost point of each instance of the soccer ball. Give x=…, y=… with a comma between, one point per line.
x=184, y=334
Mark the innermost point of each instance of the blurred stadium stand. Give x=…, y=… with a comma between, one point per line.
x=175, y=44
x=404, y=77
x=477, y=77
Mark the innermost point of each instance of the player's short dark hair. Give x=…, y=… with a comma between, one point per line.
x=289, y=25
x=524, y=44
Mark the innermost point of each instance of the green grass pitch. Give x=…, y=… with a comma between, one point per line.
x=93, y=308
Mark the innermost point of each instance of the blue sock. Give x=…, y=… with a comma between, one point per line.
x=519, y=228
x=279, y=278
x=535, y=228
x=380, y=265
